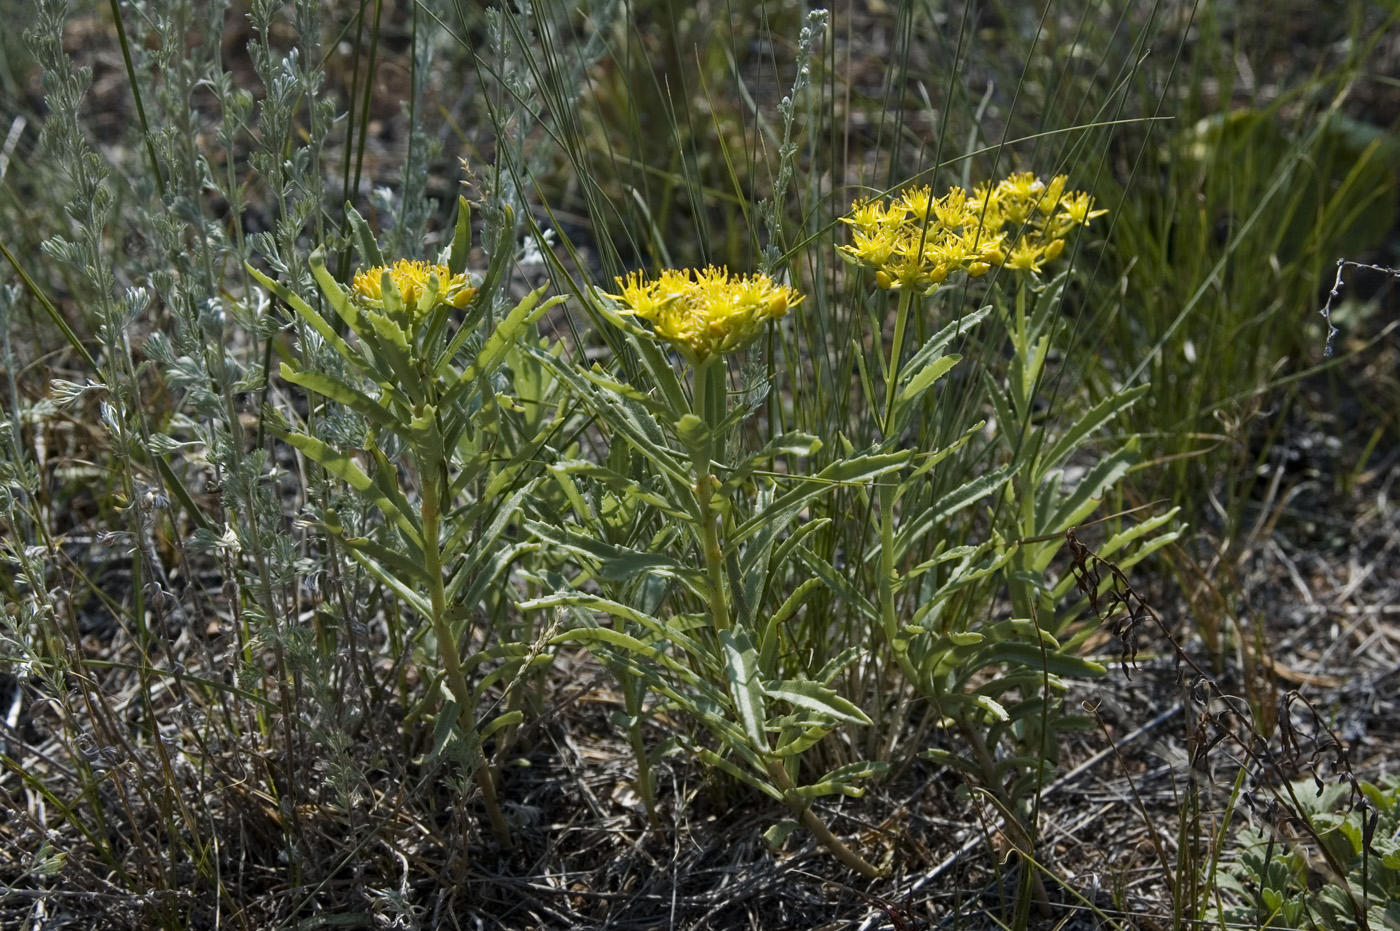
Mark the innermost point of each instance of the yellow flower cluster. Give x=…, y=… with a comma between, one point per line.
x=411, y=279
x=917, y=240
x=706, y=311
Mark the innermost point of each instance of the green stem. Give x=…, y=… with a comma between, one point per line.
x=634, y=689
x=1015, y=816
x=887, y=489
x=814, y=823
x=889, y=575
x=705, y=373
x=431, y=515
x=901, y=321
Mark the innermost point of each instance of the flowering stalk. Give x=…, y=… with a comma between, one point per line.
x=709, y=382
x=913, y=244
x=400, y=316
x=733, y=682
x=889, y=572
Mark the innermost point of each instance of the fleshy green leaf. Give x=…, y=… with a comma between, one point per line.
x=813, y=696
x=317, y=322
x=741, y=669
x=344, y=468
x=1091, y=420
x=840, y=779
x=461, y=238
x=331, y=387
x=364, y=237
x=856, y=470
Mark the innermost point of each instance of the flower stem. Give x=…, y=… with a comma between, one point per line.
x=901, y=321
x=708, y=377
x=887, y=488
x=814, y=823
x=431, y=516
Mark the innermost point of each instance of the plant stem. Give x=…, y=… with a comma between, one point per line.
x=887, y=488
x=814, y=823
x=1014, y=815
x=901, y=320
x=706, y=372
x=430, y=512
x=634, y=691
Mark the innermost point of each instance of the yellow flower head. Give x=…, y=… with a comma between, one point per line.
x=705, y=311
x=918, y=240
x=411, y=279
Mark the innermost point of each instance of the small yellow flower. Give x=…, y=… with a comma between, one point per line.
x=872, y=249
x=411, y=279
x=871, y=217
x=1053, y=194
x=705, y=311
x=917, y=203
x=1026, y=255
x=1079, y=208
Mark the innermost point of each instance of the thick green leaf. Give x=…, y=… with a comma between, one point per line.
x=788, y=546
x=617, y=638
x=391, y=581
x=506, y=720
x=345, y=469
x=664, y=631
x=801, y=742
x=940, y=340
x=461, y=238
x=340, y=301
x=393, y=348
x=840, y=779
x=912, y=534
x=317, y=322
x=616, y=563
x=768, y=653
x=624, y=485
x=428, y=445
x=508, y=673
x=331, y=387
x=777, y=835
x=494, y=349
x=838, y=663
x=1091, y=420
x=364, y=237
x=711, y=758
x=927, y=461
x=813, y=696
x=838, y=583
x=501, y=515
x=1051, y=661
x=1085, y=498
x=497, y=652
x=787, y=444
x=856, y=470
x=404, y=567
x=692, y=431
x=606, y=381
x=925, y=379
x=484, y=574
x=745, y=688
x=640, y=431
x=660, y=371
